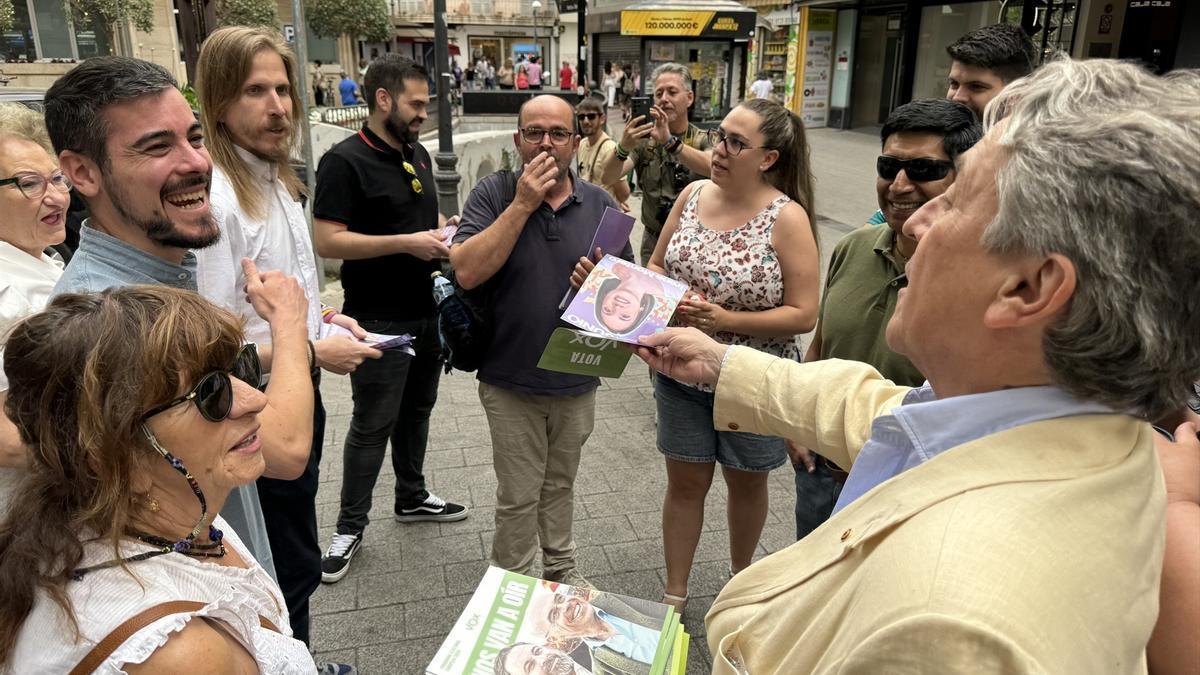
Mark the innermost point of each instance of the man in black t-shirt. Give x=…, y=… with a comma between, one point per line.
x=375, y=208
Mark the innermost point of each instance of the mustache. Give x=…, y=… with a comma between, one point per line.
x=191, y=181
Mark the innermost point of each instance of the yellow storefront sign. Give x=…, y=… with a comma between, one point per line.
x=682, y=23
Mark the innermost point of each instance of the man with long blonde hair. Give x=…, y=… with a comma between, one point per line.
x=246, y=80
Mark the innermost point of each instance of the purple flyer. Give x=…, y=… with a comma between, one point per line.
x=613, y=232
x=623, y=302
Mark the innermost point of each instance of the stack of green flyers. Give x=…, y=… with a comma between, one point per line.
x=520, y=625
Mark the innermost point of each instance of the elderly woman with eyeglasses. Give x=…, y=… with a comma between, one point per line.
x=139, y=407
x=33, y=211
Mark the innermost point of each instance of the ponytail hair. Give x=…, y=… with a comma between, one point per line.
x=791, y=174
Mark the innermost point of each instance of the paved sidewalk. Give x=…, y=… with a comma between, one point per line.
x=408, y=583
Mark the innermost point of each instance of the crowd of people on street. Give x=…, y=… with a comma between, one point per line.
x=996, y=459
x=528, y=72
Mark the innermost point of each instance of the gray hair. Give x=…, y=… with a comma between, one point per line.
x=18, y=121
x=1102, y=169
x=75, y=103
x=673, y=69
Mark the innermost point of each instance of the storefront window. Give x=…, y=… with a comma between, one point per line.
x=18, y=40
x=709, y=61
x=487, y=48
x=90, y=39
x=53, y=30
x=940, y=26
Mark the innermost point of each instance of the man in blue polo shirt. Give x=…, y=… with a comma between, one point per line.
x=518, y=242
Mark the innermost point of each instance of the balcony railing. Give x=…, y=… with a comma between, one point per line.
x=472, y=11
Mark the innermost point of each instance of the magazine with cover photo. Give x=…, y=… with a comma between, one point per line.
x=519, y=625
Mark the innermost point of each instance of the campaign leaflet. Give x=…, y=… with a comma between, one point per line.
x=381, y=341
x=576, y=352
x=622, y=302
x=514, y=625
x=611, y=236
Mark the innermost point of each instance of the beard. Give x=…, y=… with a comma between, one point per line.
x=280, y=153
x=160, y=229
x=400, y=129
x=558, y=664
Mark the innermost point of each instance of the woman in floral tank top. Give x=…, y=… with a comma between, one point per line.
x=745, y=244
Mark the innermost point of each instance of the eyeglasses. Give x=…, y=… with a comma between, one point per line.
x=213, y=394
x=585, y=117
x=416, y=182
x=733, y=145
x=920, y=170
x=33, y=185
x=557, y=136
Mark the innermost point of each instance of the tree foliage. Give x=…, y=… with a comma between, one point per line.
x=253, y=13
x=7, y=17
x=104, y=13
x=368, y=19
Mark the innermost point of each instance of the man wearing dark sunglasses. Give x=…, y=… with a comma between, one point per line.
x=134, y=150
x=596, y=148
x=866, y=272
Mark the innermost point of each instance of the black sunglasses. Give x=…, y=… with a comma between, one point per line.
x=920, y=170
x=588, y=117
x=213, y=394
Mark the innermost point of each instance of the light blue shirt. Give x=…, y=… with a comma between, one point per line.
x=637, y=642
x=924, y=426
x=103, y=261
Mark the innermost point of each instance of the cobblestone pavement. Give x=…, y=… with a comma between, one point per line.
x=408, y=583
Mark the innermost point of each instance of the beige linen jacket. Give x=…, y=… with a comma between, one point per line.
x=1032, y=550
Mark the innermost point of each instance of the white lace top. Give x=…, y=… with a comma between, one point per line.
x=104, y=599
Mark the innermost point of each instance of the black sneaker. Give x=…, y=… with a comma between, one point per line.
x=433, y=508
x=336, y=561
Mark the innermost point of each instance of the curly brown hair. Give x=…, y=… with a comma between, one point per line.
x=82, y=373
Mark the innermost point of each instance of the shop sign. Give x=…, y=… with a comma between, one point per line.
x=818, y=67
x=687, y=23
x=568, y=6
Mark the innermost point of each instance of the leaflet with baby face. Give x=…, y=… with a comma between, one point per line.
x=624, y=302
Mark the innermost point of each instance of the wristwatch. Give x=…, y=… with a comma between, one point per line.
x=674, y=143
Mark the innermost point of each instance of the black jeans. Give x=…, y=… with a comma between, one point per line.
x=393, y=397
x=816, y=495
x=290, y=511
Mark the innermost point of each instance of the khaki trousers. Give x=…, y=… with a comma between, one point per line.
x=536, y=443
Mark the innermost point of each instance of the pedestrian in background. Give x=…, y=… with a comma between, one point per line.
x=984, y=61
x=566, y=77
x=504, y=76
x=762, y=87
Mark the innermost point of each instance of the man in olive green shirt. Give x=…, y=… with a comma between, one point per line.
x=866, y=272
x=668, y=152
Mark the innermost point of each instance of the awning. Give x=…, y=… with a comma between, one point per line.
x=418, y=33
x=454, y=50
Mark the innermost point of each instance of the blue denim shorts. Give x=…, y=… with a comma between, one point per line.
x=686, y=433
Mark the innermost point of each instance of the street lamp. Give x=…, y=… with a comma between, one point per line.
x=445, y=174
x=537, y=6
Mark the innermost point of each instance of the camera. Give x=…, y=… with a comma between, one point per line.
x=679, y=177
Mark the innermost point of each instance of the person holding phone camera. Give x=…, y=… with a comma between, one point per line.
x=667, y=151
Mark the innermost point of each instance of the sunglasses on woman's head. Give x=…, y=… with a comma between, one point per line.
x=213, y=393
x=920, y=170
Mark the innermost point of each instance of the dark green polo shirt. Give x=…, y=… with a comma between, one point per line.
x=662, y=176
x=865, y=276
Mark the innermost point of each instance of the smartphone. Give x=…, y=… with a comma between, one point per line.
x=641, y=107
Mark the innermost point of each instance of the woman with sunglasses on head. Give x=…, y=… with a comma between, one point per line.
x=745, y=242
x=34, y=196
x=920, y=142
x=140, y=408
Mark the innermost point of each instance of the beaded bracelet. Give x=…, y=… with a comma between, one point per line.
x=327, y=314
